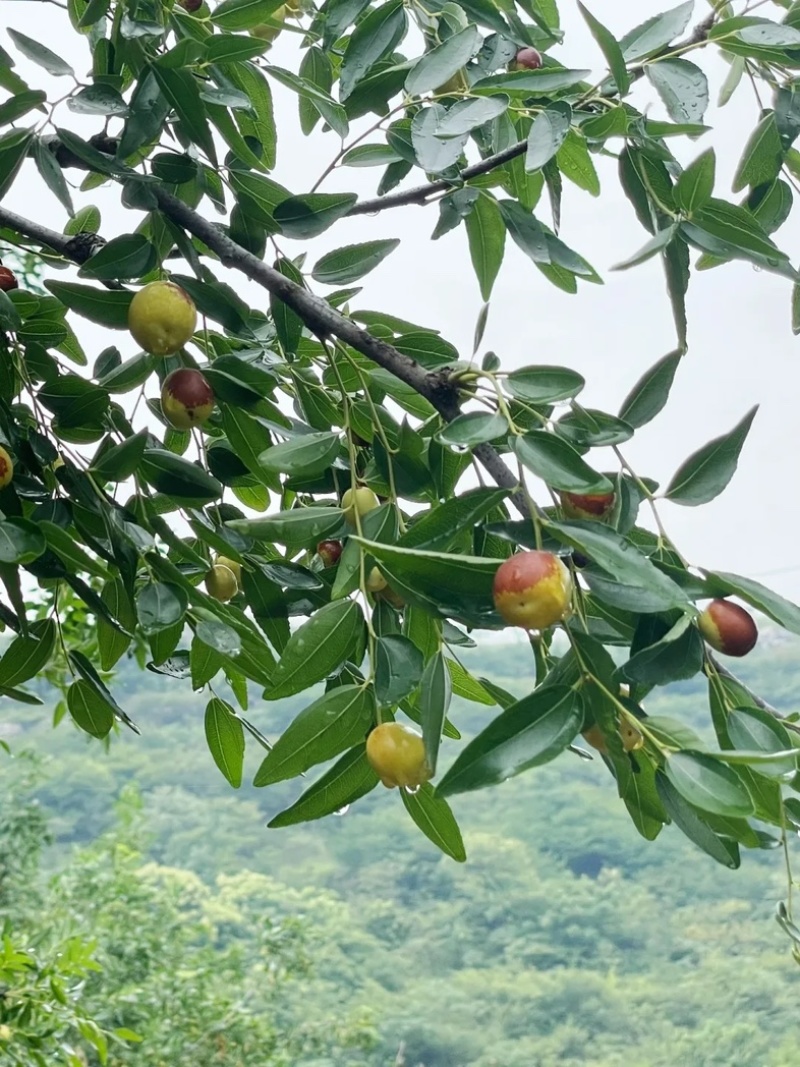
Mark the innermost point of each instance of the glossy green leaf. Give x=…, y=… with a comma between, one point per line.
x=442, y=62
x=473, y=428
x=610, y=49
x=317, y=648
x=682, y=86
x=531, y=732
x=159, y=605
x=130, y=256
x=547, y=133
x=398, y=669
x=26, y=657
x=349, y=264
x=180, y=89
x=225, y=738
x=706, y=473
x=41, y=55
x=374, y=37
x=651, y=392
x=302, y=217
x=708, y=784
x=755, y=730
x=544, y=384
x=304, y=455
x=178, y=478
x=89, y=710
x=350, y=777
x=295, y=528
x=21, y=541
x=656, y=32
x=762, y=158
x=693, y=826
x=486, y=234
x=435, y=692
x=102, y=306
x=433, y=816
x=557, y=463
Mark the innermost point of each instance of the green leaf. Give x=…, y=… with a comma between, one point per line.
x=299, y=527
x=336, y=721
x=531, y=732
x=438, y=528
x=695, y=186
x=26, y=657
x=442, y=62
x=53, y=176
x=544, y=384
x=243, y=14
x=101, y=306
x=465, y=115
x=762, y=157
x=350, y=777
x=225, y=738
x=547, y=134
x=345, y=265
x=473, y=429
x=610, y=49
x=651, y=392
x=89, y=710
x=435, y=692
x=575, y=163
x=121, y=461
x=616, y=555
x=302, y=217
x=535, y=82
x=708, y=784
x=776, y=607
x=676, y=655
x=130, y=256
x=656, y=244
x=557, y=463
x=317, y=648
x=98, y=99
x=755, y=730
x=14, y=147
x=398, y=669
x=705, y=474
x=178, y=478
x=21, y=541
x=370, y=155
x=159, y=606
x=304, y=455
x=726, y=230
x=375, y=36
x=180, y=89
x=219, y=636
x=692, y=825
x=682, y=86
x=656, y=32
x=438, y=581
x=111, y=643
x=433, y=816
x=486, y=234
x=41, y=56
x=20, y=104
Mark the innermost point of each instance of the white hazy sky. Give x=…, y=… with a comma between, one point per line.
x=742, y=350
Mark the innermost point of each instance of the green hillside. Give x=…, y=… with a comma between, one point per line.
x=565, y=939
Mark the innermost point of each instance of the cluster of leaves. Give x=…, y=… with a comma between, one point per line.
x=301, y=418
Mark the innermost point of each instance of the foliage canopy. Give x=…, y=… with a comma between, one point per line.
x=115, y=517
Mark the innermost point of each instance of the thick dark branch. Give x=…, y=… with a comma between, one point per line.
x=422, y=193
x=78, y=248
x=323, y=320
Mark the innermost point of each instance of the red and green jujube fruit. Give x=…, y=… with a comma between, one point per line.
x=532, y=590
x=187, y=399
x=728, y=628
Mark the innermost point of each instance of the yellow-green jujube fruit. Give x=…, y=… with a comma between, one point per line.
x=162, y=317
x=6, y=468
x=359, y=500
x=221, y=583
x=397, y=755
x=532, y=590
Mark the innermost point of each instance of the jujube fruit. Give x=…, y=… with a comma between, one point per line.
x=6, y=468
x=527, y=59
x=532, y=590
x=221, y=583
x=396, y=753
x=265, y=31
x=232, y=565
x=728, y=628
x=587, y=505
x=162, y=318
x=376, y=582
x=8, y=280
x=359, y=500
x=329, y=552
x=632, y=738
x=187, y=398
x=191, y=5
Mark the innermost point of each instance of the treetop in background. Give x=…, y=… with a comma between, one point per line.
x=289, y=497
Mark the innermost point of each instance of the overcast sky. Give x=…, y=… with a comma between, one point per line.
x=741, y=348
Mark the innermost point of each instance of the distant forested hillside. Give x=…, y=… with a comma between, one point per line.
x=566, y=939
